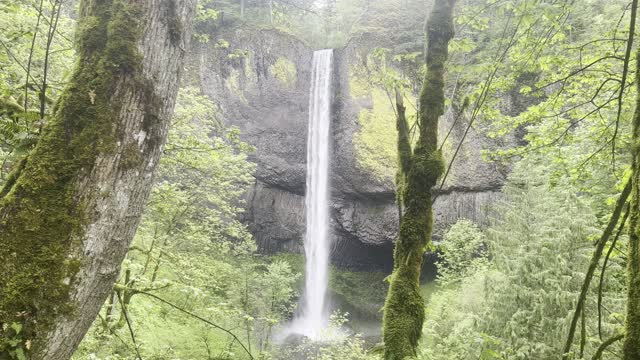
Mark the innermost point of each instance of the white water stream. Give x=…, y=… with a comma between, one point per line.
x=314, y=313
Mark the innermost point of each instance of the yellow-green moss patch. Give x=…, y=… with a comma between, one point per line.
x=285, y=71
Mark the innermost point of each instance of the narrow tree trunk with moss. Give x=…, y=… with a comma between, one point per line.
x=419, y=170
x=67, y=218
x=631, y=348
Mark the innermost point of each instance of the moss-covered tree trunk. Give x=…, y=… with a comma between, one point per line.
x=67, y=218
x=632, y=332
x=419, y=170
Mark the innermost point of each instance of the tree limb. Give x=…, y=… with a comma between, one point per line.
x=126, y=316
x=597, y=254
x=605, y=345
x=604, y=268
x=121, y=287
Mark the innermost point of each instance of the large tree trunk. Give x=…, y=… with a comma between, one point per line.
x=631, y=349
x=419, y=170
x=68, y=217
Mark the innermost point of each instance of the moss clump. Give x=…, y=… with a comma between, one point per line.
x=403, y=318
x=426, y=169
x=131, y=157
x=234, y=84
x=285, y=71
x=418, y=173
x=42, y=217
x=375, y=141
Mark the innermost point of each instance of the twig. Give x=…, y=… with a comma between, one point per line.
x=53, y=25
x=121, y=287
x=126, y=317
x=605, y=345
x=592, y=266
x=604, y=268
x=33, y=42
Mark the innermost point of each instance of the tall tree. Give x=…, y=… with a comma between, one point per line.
x=631, y=347
x=69, y=212
x=419, y=169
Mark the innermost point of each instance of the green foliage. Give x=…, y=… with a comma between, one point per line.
x=17, y=346
x=285, y=71
x=553, y=76
x=631, y=347
x=19, y=127
x=376, y=77
x=192, y=251
x=515, y=302
x=360, y=293
x=463, y=253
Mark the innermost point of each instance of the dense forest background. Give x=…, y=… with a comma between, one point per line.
x=549, y=83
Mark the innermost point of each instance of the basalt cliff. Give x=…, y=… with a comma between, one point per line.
x=259, y=80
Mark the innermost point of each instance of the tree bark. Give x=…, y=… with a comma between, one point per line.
x=419, y=170
x=67, y=220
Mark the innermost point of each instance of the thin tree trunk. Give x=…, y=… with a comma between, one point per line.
x=595, y=260
x=33, y=45
x=68, y=219
x=631, y=347
x=420, y=169
x=53, y=25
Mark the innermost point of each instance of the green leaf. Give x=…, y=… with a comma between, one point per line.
x=17, y=327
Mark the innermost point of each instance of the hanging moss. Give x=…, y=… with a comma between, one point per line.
x=419, y=170
x=41, y=216
x=426, y=169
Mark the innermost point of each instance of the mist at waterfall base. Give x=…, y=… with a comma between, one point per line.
x=312, y=317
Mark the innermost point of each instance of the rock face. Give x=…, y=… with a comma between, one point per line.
x=261, y=84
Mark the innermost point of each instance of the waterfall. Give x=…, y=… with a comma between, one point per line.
x=313, y=315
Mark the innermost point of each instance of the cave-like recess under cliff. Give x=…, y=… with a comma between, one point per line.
x=260, y=83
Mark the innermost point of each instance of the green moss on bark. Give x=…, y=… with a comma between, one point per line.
x=13, y=176
x=131, y=157
x=419, y=170
x=41, y=216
